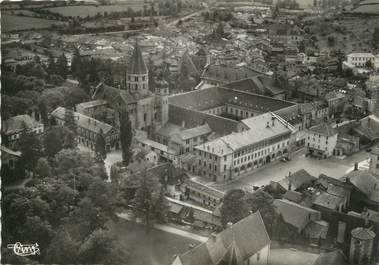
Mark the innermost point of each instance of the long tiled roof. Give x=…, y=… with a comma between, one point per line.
x=17, y=123
x=199, y=99
x=249, y=235
x=204, y=188
x=137, y=64
x=328, y=201
x=301, y=177
x=192, y=118
x=83, y=121
x=9, y=151
x=251, y=85
x=259, y=130
x=366, y=182
x=293, y=213
x=196, y=131
x=93, y=103
x=324, y=129
x=217, y=96
x=227, y=74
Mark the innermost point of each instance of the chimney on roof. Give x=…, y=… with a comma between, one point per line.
x=273, y=121
x=268, y=125
x=356, y=166
x=289, y=181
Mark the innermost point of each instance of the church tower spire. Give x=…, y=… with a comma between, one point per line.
x=137, y=74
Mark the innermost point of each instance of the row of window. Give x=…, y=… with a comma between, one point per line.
x=17, y=135
x=261, y=145
x=203, y=196
x=318, y=147
x=136, y=79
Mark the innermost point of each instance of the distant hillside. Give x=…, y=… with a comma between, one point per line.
x=368, y=7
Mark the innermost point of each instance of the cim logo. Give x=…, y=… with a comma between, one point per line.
x=24, y=249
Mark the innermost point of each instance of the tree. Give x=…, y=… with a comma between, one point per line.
x=76, y=64
x=234, y=207
x=31, y=149
x=62, y=66
x=100, y=248
x=149, y=202
x=369, y=64
x=375, y=36
x=125, y=136
x=51, y=65
x=100, y=150
x=42, y=168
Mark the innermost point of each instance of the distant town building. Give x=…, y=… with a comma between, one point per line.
x=89, y=129
x=360, y=59
x=321, y=140
x=15, y=126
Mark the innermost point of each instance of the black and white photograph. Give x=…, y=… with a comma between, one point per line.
x=189, y=132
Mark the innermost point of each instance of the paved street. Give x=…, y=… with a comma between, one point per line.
x=333, y=167
x=168, y=228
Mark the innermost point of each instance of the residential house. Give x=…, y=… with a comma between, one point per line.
x=201, y=193
x=182, y=140
x=245, y=242
x=365, y=188
x=360, y=59
x=284, y=33
x=162, y=150
x=294, y=181
x=89, y=128
x=295, y=214
x=321, y=140
x=15, y=126
x=9, y=157
x=187, y=213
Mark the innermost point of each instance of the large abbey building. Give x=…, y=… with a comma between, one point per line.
x=147, y=110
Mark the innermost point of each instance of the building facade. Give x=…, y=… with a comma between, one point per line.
x=88, y=130
x=266, y=138
x=321, y=140
x=360, y=59
x=146, y=110
x=15, y=126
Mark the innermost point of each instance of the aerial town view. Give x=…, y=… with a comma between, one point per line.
x=190, y=132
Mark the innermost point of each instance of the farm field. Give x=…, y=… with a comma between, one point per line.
x=21, y=12
x=84, y=11
x=14, y=23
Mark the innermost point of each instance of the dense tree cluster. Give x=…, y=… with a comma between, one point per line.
x=65, y=210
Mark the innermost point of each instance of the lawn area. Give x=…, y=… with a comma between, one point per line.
x=84, y=11
x=155, y=248
x=13, y=23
